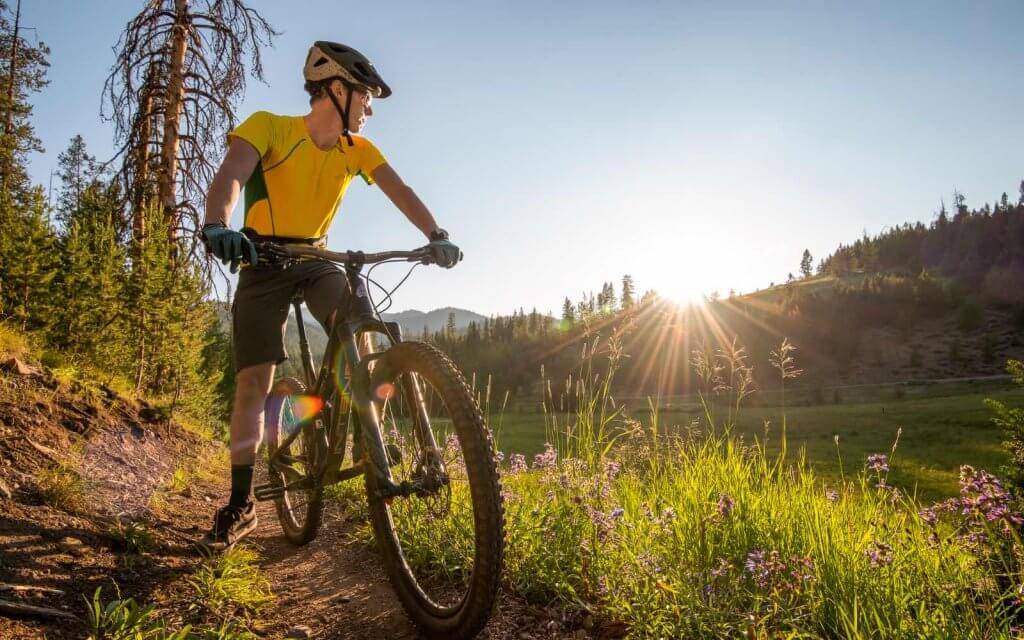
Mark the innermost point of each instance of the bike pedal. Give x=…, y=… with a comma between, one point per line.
x=267, y=492
x=394, y=454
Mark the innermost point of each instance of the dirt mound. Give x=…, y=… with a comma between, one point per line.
x=78, y=467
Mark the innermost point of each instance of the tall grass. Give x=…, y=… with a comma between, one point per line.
x=701, y=534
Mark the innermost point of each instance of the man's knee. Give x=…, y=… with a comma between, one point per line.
x=252, y=384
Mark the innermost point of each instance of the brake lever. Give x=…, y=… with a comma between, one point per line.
x=269, y=254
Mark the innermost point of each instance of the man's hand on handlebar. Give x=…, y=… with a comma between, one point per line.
x=443, y=251
x=228, y=245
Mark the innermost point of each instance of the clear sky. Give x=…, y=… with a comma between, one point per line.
x=696, y=146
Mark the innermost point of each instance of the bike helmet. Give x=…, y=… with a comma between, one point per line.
x=327, y=60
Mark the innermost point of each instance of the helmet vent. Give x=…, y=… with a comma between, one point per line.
x=338, y=49
x=320, y=62
x=361, y=68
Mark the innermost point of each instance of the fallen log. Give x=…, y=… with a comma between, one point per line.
x=29, y=587
x=19, y=609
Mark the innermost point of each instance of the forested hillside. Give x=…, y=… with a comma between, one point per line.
x=917, y=302
x=982, y=249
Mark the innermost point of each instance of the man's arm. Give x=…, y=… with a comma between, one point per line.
x=404, y=198
x=233, y=173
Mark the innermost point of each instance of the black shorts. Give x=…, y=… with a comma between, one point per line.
x=260, y=310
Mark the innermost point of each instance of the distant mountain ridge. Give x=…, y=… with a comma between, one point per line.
x=413, y=321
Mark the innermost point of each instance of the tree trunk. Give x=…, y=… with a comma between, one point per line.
x=172, y=114
x=140, y=182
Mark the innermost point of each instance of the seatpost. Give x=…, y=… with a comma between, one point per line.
x=307, y=357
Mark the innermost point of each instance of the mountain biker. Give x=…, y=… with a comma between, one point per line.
x=296, y=170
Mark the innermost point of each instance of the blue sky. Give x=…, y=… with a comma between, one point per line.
x=696, y=146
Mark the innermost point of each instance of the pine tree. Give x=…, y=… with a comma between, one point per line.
x=805, y=264
x=628, y=291
x=28, y=261
x=23, y=65
x=568, y=314
x=77, y=172
x=450, y=326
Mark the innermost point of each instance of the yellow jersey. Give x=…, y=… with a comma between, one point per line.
x=296, y=188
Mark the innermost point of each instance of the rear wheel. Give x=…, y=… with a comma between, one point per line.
x=443, y=545
x=289, y=408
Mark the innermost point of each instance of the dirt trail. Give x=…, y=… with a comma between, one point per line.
x=125, y=450
x=336, y=587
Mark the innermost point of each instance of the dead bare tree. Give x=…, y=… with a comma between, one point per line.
x=181, y=69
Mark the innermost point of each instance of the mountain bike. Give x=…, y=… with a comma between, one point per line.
x=418, y=439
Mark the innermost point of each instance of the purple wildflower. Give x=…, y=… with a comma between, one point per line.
x=801, y=569
x=878, y=462
x=452, y=442
x=517, y=463
x=611, y=469
x=725, y=505
x=832, y=495
x=763, y=566
x=546, y=460
x=499, y=457
x=879, y=553
x=616, y=513
x=983, y=494
x=722, y=568
x=929, y=515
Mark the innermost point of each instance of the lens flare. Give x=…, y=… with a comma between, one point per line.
x=384, y=391
x=305, y=407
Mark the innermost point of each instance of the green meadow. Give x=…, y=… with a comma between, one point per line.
x=940, y=427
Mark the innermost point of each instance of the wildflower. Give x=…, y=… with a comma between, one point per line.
x=616, y=513
x=650, y=563
x=929, y=515
x=725, y=505
x=878, y=462
x=546, y=460
x=763, y=566
x=832, y=495
x=452, y=442
x=879, y=553
x=802, y=568
x=499, y=457
x=668, y=515
x=517, y=463
x=982, y=494
x=722, y=568
x=611, y=469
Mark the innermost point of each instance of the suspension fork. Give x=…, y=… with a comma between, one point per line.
x=373, y=450
x=412, y=390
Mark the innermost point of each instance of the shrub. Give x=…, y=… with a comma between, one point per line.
x=132, y=536
x=12, y=342
x=63, y=487
x=231, y=583
x=1011, y=421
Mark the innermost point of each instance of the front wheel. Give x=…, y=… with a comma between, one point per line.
x=443, y=545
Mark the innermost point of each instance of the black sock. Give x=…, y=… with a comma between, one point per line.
x=241, y=485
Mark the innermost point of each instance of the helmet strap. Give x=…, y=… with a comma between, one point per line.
x=342, y=112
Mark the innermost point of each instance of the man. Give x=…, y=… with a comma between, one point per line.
x=295, y=170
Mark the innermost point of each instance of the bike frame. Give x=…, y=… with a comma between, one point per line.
x=369, y=454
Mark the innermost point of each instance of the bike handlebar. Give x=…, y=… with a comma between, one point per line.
x=294, y=251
